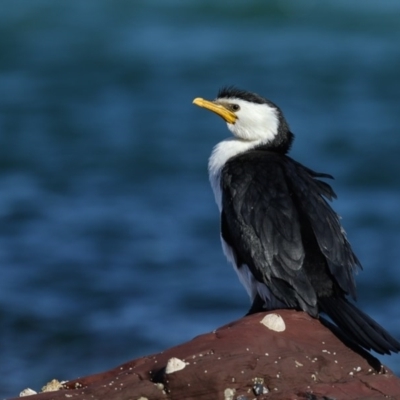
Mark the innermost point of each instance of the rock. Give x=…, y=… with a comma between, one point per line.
x=246, y=360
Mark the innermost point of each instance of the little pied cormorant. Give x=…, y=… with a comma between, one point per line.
x=277, y=229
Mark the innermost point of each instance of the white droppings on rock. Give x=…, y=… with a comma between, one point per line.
x=173, y=365
x=27, y=392
x=298, y=364
x=229, y=393
x=274, y=322
x=53, y=386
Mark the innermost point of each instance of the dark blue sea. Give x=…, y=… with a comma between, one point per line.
x=109, y=234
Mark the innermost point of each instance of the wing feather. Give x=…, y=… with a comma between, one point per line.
x=330, y=235
x=261, y=223
x=265, y=199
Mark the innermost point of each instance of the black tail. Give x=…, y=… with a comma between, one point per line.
x=358, y=326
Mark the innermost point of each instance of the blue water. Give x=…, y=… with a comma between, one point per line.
x=109, y=235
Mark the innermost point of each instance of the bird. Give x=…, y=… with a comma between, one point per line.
x=285, y=242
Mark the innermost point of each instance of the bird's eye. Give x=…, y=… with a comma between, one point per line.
x=235, y=107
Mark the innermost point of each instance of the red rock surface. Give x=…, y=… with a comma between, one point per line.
x=245, y=360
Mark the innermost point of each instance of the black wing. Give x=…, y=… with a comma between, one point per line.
x=328, y=231
x=278, y=222
x=261, y=223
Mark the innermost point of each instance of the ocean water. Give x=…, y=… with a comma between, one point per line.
x=109, y=235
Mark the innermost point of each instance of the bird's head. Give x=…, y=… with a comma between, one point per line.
x=251, y=118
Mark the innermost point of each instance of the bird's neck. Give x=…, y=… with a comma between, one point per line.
x=221, y=153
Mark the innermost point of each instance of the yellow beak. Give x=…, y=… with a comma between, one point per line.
x=219, y=109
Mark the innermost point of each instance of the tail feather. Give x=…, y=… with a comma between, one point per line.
x=358, y=329
x=358, y=326
x=355, y=329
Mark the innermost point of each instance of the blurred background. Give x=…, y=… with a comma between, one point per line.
x=109, y=235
